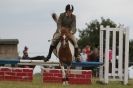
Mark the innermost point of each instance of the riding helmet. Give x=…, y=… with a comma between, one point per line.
x=25, y=47
x=69, y=8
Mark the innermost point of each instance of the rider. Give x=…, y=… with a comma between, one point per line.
x=66, y=20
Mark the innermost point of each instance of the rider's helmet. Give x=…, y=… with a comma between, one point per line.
x=69, y=8
x=25, y=47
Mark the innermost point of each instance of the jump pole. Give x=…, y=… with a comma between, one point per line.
x=41, y=62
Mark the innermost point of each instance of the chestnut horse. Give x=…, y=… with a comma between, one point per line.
x=65, y=53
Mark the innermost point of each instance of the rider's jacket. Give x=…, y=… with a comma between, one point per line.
x=67, y=21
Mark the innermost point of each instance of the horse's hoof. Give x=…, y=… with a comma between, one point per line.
x=67, y=83
x=64, y=83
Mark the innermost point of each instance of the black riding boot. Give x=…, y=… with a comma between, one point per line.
x=77, y=56
x=50, y=53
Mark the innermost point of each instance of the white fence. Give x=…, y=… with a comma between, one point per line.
x=116, y=40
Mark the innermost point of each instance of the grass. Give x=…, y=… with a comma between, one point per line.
x=37, y=83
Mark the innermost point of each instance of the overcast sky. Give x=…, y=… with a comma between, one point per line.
x=30, y=20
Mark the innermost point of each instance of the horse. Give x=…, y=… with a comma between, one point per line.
x=65, y=53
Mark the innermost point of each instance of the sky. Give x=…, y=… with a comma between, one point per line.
x=30, y=21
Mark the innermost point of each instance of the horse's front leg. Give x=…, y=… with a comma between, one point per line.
x=63, y=75
x=67, y=74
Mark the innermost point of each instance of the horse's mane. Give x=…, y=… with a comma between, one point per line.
x=65, y=31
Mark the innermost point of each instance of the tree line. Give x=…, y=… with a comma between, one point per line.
x=90, y=35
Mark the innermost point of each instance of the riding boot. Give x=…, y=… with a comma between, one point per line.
x=77, y=56
x=50, y=53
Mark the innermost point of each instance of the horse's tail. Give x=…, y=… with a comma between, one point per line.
x=54, y=16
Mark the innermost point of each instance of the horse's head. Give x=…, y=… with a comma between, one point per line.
x=66, y=48
x=65, y=36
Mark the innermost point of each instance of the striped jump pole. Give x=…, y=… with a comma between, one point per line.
x=41, y=62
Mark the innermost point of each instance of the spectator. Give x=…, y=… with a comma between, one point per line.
x=88, y=52
x=25, y=53
x=110, y=55
x=95, y=54
x=83, y=56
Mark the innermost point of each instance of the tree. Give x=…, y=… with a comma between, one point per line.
x=90, y=35
x=131, y=51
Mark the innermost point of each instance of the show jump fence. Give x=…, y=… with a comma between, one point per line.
x=48, y=74
x=115, y=65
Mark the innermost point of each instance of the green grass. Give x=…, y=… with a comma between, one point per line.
x=37, y=83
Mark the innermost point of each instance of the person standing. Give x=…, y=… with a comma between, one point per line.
x=88, y=52
x=83, y=56
x=25, y=53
